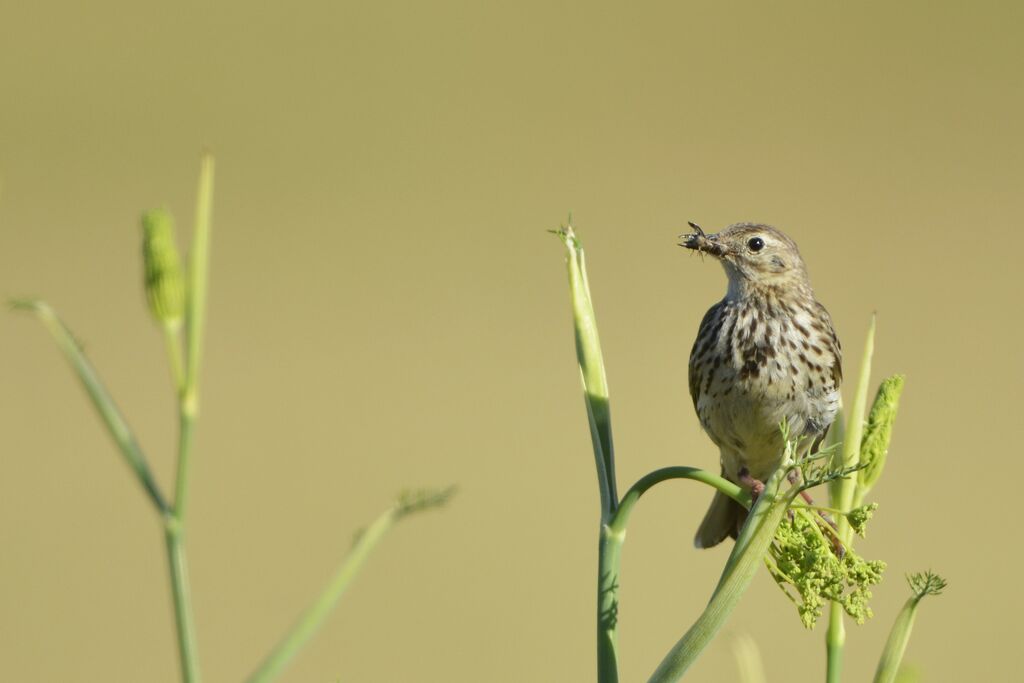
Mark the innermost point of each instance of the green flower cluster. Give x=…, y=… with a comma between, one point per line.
x=805, y=558
x=858, y=518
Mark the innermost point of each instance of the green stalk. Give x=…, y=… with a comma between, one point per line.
x=182, y=597
x=892, y=656
x=842, y=490
x=409, y=503
x=613, y=535
x=195, y=307
x=841, y=494
x=609, y=557
x=188, y=409
x=315, y=615
x=125, y=439
x=101, y=399
x=746, y=558
x=198, y=271
x=595, y=394
x=620, y=520
x=175, y=358
x=835, y=640
x=592, y=373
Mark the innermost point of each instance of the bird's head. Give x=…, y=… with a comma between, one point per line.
x=753, y=255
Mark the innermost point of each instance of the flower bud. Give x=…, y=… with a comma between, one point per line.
x=874, y=446
x=165, y=289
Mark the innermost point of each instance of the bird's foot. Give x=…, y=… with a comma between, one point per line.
x=756, y=486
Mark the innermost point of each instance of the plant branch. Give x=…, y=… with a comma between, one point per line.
x=101, y=399
x=613, y=535
x=841, y=495
x=181, y=594
x=198, y=271
x=592, y=373
x=620, y=519
x=896, y=644
x=747, y=556
x=314, y=616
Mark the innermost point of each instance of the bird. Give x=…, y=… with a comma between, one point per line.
x=766, y=354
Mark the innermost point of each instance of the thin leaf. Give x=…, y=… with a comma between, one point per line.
x=115, y=422
x=896, y=645
x=841, y=491
x=592, y=373
x=366, y=541
x=198, y=267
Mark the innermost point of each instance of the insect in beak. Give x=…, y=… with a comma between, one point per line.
x=702, y=242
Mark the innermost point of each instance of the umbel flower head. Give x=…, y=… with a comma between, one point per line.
x=805, y=559
x=165, y=289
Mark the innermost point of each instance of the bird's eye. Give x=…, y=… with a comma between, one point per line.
x=755, y=244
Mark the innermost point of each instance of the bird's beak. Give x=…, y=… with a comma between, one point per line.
x=703, y=242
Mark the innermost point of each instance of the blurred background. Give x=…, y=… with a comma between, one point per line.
x=387, y=311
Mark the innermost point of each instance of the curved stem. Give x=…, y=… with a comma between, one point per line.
x=747, y=555
x=621, y=516
x=613, y=535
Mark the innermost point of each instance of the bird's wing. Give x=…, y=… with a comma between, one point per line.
x=706, y=334
x=833, y=345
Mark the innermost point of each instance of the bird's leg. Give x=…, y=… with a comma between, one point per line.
x=756, y=486
x=837, y=547
x=794, y=478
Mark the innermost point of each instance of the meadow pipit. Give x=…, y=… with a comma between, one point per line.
x=764, y=354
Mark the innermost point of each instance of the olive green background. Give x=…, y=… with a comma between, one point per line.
x=387, y=311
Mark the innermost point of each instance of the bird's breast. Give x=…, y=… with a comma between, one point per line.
x=754, y=367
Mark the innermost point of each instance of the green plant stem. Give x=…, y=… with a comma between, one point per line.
x=746, y=558
x=182, y=598
x=896, y=644
x=621, y=517
x=198, y=271
x=922, y=585
x=195, y=307
x=187, y=382
x=595, y=395
x=609, y=556
x=186, y=418
x=101, y=399
x=835, y=639
x=843, y=490
x=314, y=616
x=175, y=358
x=841, y=495
x=186, y=427
x=612, y=537
x=592, y=372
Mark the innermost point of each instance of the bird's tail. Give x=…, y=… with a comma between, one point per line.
x=723, y=519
